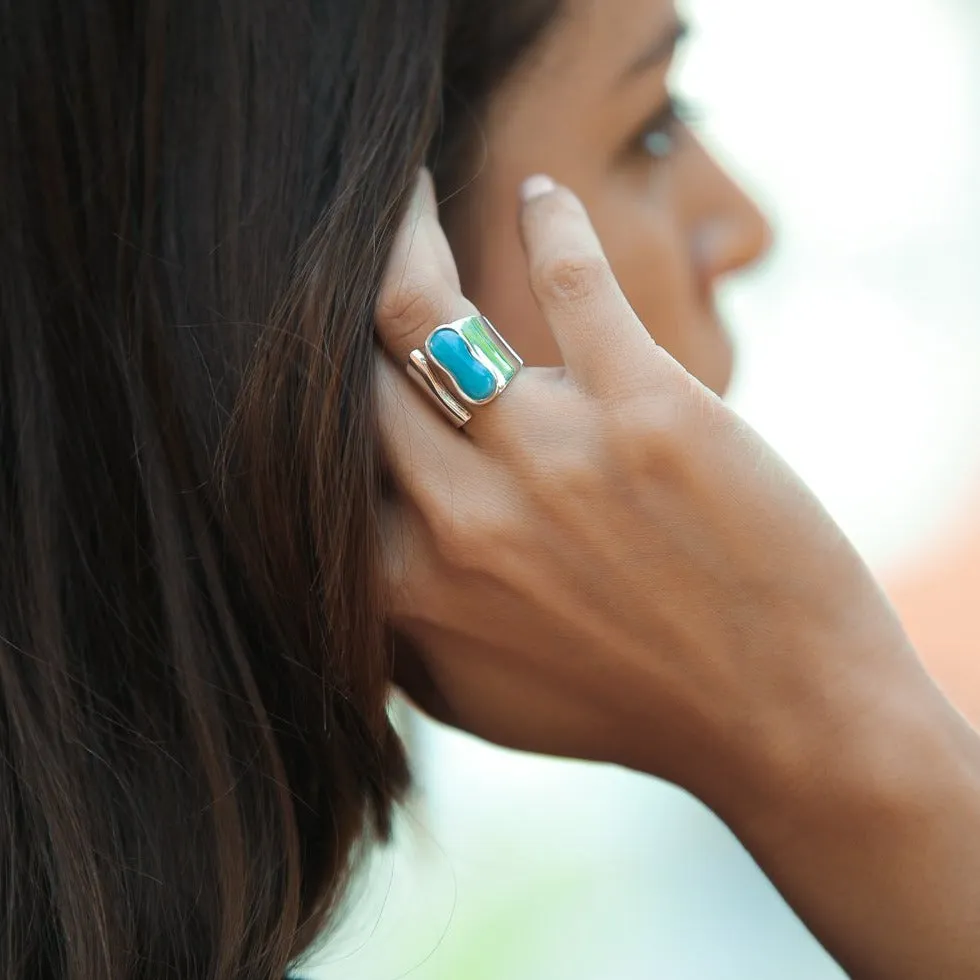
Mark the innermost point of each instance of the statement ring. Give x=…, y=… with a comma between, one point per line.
x=464, y=365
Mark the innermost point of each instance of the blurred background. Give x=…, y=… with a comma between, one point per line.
x=857, y=123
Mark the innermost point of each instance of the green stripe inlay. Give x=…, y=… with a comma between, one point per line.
x=477, y=334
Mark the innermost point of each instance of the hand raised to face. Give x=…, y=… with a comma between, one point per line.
x=606, y=562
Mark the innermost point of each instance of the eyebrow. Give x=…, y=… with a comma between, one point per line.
x=660, y=51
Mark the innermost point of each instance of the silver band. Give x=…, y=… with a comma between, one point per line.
x=465, y=365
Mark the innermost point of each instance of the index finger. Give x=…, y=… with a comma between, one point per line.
x=599, y=335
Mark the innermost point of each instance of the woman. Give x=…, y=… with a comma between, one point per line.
x=206, y=560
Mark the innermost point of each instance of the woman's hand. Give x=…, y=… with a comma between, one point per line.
x=609, y=563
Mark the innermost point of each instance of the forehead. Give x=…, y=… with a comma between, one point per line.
x=569, y=95
x=597, y=40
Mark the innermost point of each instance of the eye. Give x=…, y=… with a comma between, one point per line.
x=658, y=138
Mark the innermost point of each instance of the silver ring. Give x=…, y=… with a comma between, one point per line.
x=464, y=365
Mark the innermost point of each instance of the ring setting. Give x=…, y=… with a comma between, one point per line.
x=464, y=365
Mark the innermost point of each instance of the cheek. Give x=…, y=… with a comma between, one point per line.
x=650, y=257
x=650, y=252
x=493, y=274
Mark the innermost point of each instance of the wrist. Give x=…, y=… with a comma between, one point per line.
x=867, y=837
x=851, y=717
x=883, y=760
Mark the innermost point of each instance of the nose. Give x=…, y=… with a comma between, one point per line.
x=731, y=232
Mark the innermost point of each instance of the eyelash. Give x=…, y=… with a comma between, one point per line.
x=658, y=138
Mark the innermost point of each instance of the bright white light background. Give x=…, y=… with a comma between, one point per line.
x=857, y=122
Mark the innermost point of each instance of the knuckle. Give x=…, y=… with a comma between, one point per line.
x=458, y=533
x=571, y=278
x=576, y=478
x=560, y=471
x=476, y=537
x=647, y=438
x=404, y=307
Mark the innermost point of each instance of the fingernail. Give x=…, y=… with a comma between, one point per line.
x=536, y=186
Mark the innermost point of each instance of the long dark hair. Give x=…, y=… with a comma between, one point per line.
x=197, y=201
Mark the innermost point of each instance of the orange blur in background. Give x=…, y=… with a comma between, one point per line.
x=938, y=598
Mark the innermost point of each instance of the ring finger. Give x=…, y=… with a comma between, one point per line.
x=421, y=292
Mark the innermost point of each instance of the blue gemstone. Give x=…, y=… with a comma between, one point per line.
x=451, y=351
